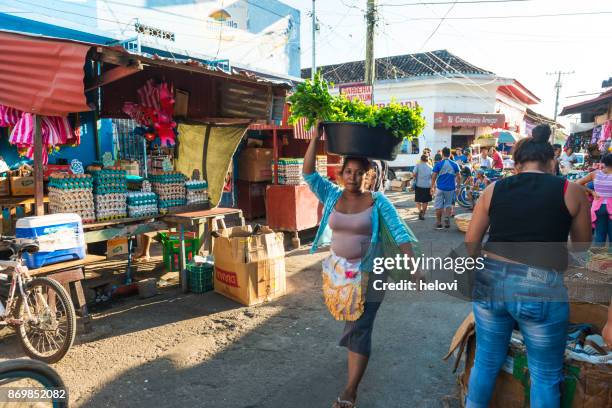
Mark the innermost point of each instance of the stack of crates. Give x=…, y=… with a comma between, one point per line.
x=200, y=276
x=171, y=242
x=290, y=171
x=321, y=165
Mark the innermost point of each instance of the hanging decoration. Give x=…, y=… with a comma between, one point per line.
x=154, y=112
x=55, y=131
x=76, y=167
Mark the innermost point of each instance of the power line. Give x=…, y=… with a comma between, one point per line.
x=586, y=13
x=438, y=26
x=130, y=24
x=450, y=2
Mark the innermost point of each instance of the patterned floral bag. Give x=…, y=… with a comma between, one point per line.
x=344, y=288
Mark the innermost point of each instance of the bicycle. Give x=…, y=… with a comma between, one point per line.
x=38, y=309
x=15, y=371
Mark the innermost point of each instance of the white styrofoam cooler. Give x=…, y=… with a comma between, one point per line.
x=59, y=236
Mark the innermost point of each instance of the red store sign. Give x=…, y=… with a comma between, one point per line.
x=446, y=120
x=359, y=91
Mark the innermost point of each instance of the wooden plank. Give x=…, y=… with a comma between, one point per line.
x=193, y=218
x=123, y=231
x=113, y=75
x=89, y=259
x=38, y=168
x=122, y=221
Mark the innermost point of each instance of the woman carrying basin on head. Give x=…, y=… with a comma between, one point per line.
x=364, y=225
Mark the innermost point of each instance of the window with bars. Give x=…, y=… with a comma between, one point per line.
x=129, y=145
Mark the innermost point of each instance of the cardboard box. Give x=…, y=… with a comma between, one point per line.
x=249, y=269
x=22, y=186
x=117, y=248
x=55, y=168
x=398, y=185
x=5, y=187
x=585, y=386
x=255, y=164
x=132, y=167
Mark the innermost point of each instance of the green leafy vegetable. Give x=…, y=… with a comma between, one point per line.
x=312, y=101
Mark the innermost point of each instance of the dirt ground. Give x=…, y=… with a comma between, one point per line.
x=207, y=351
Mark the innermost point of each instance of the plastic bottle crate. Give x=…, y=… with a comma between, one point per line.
x=200, y=277
x=172, y=248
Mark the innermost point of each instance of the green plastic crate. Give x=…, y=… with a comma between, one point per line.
x=172, y=248
x=200, y=277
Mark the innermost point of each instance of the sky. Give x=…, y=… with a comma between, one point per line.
x=525, y=48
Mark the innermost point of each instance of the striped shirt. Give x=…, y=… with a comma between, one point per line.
x=603, y=184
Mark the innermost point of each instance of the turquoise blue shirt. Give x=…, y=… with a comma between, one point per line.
x=329, y=193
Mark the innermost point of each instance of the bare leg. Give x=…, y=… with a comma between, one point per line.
x=357, y=364
x=425, y=208
x=145, y=242
x=439, y=216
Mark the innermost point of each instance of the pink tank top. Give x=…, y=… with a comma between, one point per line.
x=351, y=233
x=603, y=184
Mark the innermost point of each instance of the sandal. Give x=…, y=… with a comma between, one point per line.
x=343, y=404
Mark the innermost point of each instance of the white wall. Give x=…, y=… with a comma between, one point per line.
x=440, y=95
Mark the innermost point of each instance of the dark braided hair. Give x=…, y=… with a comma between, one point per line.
x=535, y=148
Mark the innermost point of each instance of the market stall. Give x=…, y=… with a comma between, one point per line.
x=290, y=206
x=189, y=119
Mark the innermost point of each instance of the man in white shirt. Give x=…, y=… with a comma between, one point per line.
x=568, y=158
x=485, y=160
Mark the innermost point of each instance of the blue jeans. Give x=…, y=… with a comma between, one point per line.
x=506, y=294
x=603, y=226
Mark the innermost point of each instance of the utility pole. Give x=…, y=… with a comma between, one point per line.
x=314, y=41
x=558, y=86
x=370, y=62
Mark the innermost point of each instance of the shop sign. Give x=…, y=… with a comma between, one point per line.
x=446, y=120
x=410, y=104
x=360, y=91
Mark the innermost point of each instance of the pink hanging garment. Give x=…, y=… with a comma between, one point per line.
x=149, y=95
x=606, y=130
x=22, y=134
x=9, y=116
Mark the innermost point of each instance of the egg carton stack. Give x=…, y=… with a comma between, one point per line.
x=110, y=194
x=72, y=193
x=170, y=189
x=141, y=204
x=321, y=165
x=197, y=192
x=290, y=171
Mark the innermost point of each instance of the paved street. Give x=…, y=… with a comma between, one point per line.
x=204, y=350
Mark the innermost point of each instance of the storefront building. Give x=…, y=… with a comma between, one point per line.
x=460, y=101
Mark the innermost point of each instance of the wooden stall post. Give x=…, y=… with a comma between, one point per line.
x=275, y=154
x=38, y=168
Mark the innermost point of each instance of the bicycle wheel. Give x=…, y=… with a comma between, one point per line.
x=463, y=198
x=48, y=325
x=17, y=370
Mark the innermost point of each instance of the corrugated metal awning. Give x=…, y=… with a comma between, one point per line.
x=43, y=76
x=594, y=106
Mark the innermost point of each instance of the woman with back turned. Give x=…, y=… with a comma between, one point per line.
x=530, y=216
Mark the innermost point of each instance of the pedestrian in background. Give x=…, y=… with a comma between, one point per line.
x=601, y=208
x=446, y=177
x=422, y=185
x=496, y=158
x=485, y=160
x=460, y=158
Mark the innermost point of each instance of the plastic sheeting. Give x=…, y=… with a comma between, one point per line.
x=222, y=144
